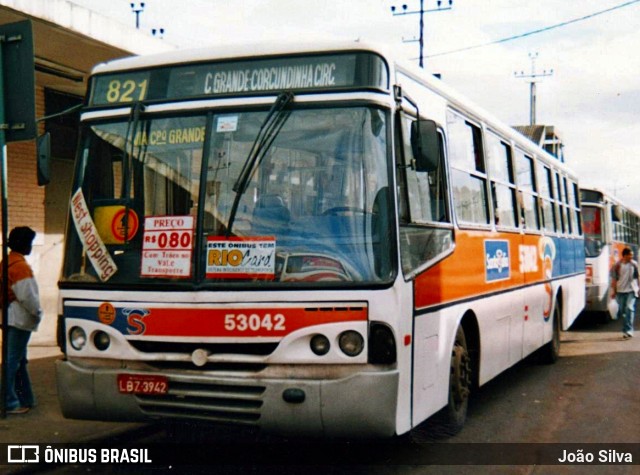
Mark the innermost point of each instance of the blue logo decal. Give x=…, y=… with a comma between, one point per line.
x=497, y=263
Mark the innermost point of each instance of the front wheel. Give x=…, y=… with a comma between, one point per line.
x=453, y=417
x=450, y=420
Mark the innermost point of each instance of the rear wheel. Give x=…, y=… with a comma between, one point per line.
x=550, y=352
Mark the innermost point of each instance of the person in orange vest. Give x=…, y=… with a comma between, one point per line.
x=25, y=314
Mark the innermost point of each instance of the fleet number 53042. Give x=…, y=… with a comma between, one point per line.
x=254, y=322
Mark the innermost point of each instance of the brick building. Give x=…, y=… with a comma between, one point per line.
x=68, y=41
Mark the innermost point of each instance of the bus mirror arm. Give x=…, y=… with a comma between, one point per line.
x=43, y=147
x=399, y=95
x=424, y=136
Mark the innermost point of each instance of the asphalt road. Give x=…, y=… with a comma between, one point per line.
x=588, y=401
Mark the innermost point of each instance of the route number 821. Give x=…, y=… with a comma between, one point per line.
x=126, y=91
x=254, y=322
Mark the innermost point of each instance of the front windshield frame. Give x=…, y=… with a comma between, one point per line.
x=199, y=278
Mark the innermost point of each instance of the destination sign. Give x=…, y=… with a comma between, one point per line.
x=246, y=77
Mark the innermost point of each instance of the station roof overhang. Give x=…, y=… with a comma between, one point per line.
x=69, y=40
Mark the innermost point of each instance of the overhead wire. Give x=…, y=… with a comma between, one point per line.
x=534, y=32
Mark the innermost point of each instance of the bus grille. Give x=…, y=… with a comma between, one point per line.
x=238, y=404
x=236, y=367
x=260, y=349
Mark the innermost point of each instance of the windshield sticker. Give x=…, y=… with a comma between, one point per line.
x=91, y=242
x=116, y=223
x=167, y=246
x=241, y=257
x=227, y=123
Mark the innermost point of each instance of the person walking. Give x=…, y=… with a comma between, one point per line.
x=624, y=287
x=24, y=316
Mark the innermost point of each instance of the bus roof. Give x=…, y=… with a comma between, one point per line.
x=244, y=51
x=607, y=196
x=234, y=52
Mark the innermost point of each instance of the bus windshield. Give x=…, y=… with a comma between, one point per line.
x=593, y=232
x=158, y=199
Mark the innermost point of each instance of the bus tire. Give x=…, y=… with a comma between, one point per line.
x=460, y=380
x=550, y=352
x=450, y=419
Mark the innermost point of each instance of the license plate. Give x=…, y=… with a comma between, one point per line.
x=142, y=384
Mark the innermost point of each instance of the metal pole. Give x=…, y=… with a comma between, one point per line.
x=421, y=12
x=532, y=104
x=5, y=263
x=422, y=33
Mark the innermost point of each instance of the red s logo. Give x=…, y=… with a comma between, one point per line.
x=135, y=320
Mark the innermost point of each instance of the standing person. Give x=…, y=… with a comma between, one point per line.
x=624, y=287
x=25, y=314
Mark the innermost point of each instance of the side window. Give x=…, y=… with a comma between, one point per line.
x=527, y=191
x=502, y=181
x=577, y=212
x=427, y=198
x=560, y=199
x=546, y=199
x=425, y=221
x=468, y=173
x=571, y=227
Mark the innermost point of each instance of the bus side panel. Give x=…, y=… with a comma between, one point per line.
x=508, y=283
x=597, y=284
x=431, y=364
x=482, y=263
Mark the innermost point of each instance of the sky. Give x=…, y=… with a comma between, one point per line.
x=590, y=93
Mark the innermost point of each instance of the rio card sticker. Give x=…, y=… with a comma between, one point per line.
x=241, y=257
x=167, y=246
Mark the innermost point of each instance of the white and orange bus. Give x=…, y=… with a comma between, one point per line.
x=308, y=240
x=609, y=226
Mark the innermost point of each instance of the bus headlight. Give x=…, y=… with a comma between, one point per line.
x=77, y=338
x=320, y=345
x=351, y=343
x=101, y=340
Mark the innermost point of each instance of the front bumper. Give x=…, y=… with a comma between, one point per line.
x=358, y=404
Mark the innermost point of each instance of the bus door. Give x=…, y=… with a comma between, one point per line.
x=426, y=237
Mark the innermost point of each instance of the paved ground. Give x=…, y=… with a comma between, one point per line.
x=45, y=423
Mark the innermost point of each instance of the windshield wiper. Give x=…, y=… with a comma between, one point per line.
x=273, y=122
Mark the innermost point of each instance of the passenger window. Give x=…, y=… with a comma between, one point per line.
x=468, y=172
x=546, y=199
x=502, y=181
x=527, y=191
x=559, y=195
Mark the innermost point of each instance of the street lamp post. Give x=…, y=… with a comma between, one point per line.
x=421, y=12
x=137, y=12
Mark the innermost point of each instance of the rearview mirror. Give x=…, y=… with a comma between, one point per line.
x=43, y=147
x=425, y=145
